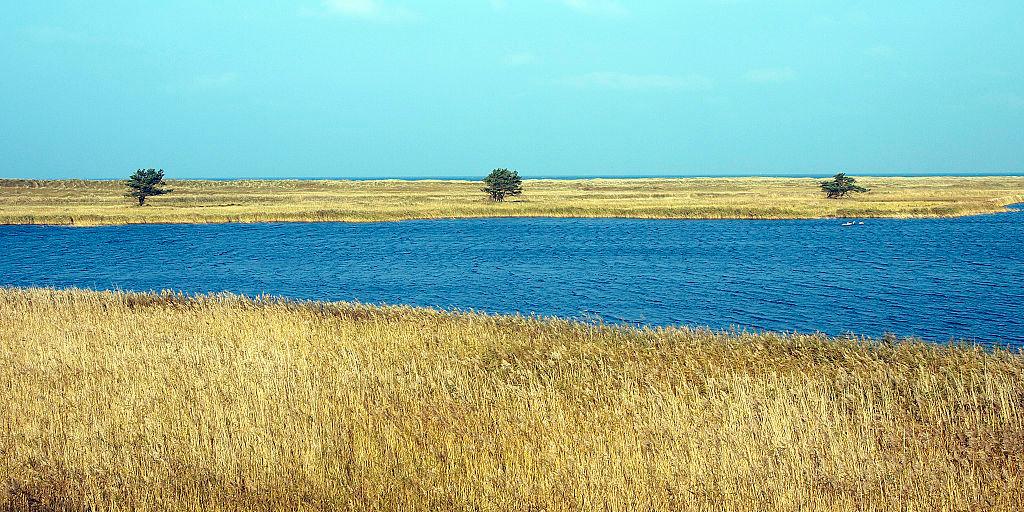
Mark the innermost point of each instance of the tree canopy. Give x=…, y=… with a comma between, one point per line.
x=145, y=183
x=840, y=185
x=502, y=183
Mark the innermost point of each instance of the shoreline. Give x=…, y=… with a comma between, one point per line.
x=100, y=203
x=1006, y=209
x=624, y=328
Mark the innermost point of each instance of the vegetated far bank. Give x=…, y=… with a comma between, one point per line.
x=130, y=401
x=103, y=202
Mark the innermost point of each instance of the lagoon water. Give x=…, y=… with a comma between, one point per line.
x=937, y=279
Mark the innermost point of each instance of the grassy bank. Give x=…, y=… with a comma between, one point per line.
x=125, y=401
x=98, y=202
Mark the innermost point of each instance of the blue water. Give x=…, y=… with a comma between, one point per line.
x=938, y=279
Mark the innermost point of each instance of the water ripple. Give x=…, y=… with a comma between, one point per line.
x=939, y=279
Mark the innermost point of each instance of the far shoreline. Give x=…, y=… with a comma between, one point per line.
x=513, y=217
x=286, y=200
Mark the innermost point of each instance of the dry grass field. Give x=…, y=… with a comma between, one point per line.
x=103, y=202
x=115, y=401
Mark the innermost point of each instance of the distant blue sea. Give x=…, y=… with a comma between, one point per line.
x=938, y=279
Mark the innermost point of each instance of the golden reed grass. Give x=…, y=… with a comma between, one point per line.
x=76, y=202
x=119, y=401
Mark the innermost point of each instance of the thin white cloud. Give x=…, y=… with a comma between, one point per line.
x=597, y=7
x=518, y=59
x=881, y=51
x=770, y=75
x=609, y=8
x=1010, y=101
x=205, y=83
x=374, y=10
x=48, y=34
x=217, y=81
x=62, y=36
x=632, y=82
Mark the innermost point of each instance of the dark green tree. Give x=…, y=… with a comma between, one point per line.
x=840, y=185
x=145, y=183
x=502, y=183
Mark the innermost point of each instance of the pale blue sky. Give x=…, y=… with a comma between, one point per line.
x=95, y=89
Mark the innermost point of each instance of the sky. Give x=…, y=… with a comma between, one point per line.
x=396, y=88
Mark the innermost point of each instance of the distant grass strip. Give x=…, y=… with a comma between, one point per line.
x=118, y=401
x=85, y=203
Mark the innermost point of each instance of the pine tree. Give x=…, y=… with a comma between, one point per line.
x=840, y=185
x=502, y=183
x=145, y=183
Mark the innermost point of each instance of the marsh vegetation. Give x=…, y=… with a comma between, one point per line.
x=133, y=401
x=102, y=202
